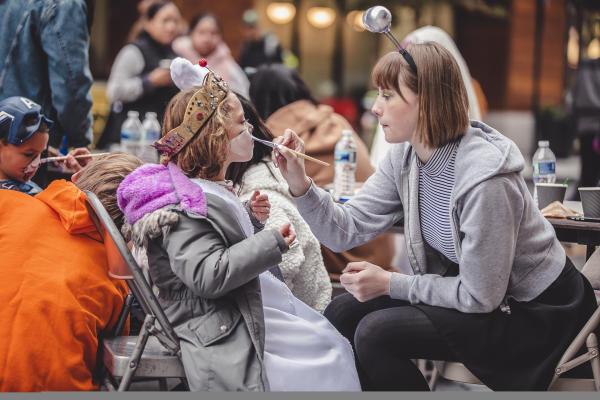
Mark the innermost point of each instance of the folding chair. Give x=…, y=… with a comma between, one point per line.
x=456, y=371
x=155, y=352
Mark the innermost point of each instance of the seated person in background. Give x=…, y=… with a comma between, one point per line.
x=302, y=266
x=24, y=134
x=56, y=294
x=205, y=40
x=284, y=101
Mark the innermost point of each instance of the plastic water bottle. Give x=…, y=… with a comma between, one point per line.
x=345, y=166
x=131, y=134
x=151, y=135
x=544, y=166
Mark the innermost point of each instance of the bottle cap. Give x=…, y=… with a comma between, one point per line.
x=133, y=113
x=347, y=132
x=543, y=143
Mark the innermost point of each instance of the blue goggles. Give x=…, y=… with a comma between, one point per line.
x=20, y=118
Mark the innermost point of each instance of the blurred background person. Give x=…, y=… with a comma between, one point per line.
x=283, y=100
x=205, y=40
x=259, y=47
x=140, y=78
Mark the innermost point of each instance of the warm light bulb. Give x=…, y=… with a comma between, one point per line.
x=354, y=19
x=280, y=12
x=320, y=17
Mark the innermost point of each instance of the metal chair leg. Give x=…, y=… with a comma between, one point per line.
x=136, y=355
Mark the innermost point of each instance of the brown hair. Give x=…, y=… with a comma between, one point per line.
x=443, y=102
x=102, y=177
x=204, y=155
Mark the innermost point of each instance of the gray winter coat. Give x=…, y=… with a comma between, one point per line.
x=206, y=273
x=505, y=247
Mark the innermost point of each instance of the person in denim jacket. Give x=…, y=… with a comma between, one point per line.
x=44, y=57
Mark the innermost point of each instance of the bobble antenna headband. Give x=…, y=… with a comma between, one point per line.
x=200, y=107
x=378, y=19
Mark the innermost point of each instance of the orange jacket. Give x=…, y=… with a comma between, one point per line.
x=55, y=292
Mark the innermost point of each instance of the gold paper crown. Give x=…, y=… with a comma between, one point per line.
x=199, y=109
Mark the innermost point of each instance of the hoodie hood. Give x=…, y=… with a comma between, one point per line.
x=491, y=152
x=68, y=202
x=151, y=187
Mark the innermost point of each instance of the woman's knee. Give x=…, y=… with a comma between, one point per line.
x=339, y=308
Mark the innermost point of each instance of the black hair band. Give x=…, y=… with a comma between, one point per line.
x=408, y=59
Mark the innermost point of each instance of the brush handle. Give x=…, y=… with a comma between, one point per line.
x=61, y=158
x=309, y=158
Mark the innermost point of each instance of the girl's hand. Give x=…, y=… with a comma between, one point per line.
x=290, y=165
x=260, y=206
x=288, y=235
x=365, y=281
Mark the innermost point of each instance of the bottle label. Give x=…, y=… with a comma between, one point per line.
x=345, y=156
x=544, y=168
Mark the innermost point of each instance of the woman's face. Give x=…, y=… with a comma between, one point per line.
x=397, y=117
x=241, y=145
x=164, y=27
x=206, y=36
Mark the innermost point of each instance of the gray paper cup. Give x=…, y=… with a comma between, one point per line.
x=590, y=201
x=549, y=192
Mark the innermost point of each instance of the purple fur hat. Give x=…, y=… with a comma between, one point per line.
x=153, y=186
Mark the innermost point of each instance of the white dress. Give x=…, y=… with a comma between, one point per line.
x=303, y=351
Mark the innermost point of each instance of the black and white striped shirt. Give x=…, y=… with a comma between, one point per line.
x=436, y=180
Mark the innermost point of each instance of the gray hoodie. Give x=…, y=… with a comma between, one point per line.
x=505, y=247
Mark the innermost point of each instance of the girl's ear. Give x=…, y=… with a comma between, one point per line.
x=75, y=176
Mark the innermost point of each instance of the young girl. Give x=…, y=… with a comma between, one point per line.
x=492, y=287
x=302, y=266
x=240, y=326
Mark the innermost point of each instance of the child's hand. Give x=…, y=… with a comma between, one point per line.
x=288, y=235
x=260, y=206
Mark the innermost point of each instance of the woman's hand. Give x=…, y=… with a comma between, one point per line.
x=290, y=165
x=260, y=206
x=288, y=235
x=365, y=281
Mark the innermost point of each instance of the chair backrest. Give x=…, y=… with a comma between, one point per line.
x=122, y=265
x=591, y=269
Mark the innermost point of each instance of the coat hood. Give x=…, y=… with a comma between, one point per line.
x=68, y=202
x=490, y=152
x=151, y=187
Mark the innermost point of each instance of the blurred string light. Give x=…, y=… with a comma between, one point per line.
x=320, y=17
x=281, y=12
x=354, y=19
x=573, y=48
x=593, y=49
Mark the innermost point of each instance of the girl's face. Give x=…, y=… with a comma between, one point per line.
x=241, y=145
x=164, y=27
x=397, y=116
x=205, y=36
x=20, y=163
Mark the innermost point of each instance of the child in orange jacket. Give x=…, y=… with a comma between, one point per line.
x=56, y=296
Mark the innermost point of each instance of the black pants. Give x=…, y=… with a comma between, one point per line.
x=386, y=334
